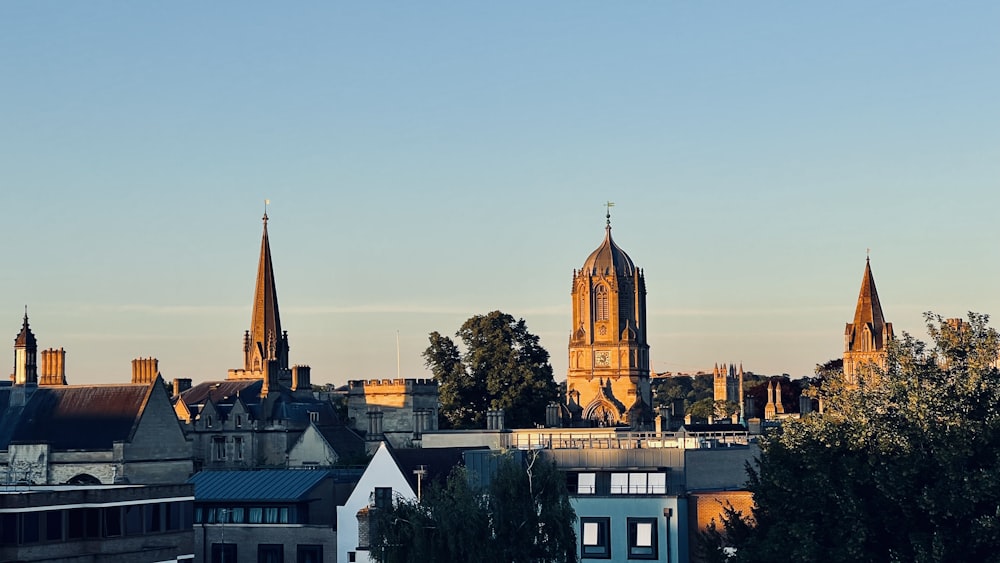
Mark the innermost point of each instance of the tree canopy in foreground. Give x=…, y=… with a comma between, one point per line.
x=523, y=516
x=503, y=367
x=905, y=466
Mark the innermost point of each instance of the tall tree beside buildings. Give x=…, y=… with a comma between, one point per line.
x=901, y=467
x=503, y=367
x=523, y=516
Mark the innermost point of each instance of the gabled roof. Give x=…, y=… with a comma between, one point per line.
x=269, y=485
x=73, y=417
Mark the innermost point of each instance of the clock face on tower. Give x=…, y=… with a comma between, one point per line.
x=602, y=359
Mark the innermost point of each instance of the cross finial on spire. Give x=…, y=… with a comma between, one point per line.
x=868, y=254
x=607, y=217
x=266, y=203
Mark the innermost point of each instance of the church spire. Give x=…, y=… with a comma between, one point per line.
x=869, y=310
x=865, y=338
x=265, y=339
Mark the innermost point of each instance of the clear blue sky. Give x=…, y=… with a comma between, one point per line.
x=428, y=161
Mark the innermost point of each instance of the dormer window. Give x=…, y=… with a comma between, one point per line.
x=208, y=423
x=313, y=416
x=239, y=421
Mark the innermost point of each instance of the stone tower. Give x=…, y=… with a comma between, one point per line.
x=865, y=339
x=728, y=384
x=25, y=356
x=608, y=379
x=265, y=345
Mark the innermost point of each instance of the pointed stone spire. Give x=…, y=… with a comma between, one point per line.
x=865, y=338
x=869, y=310
x=265, y=341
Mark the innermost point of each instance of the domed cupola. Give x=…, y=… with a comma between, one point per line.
x=609, y=258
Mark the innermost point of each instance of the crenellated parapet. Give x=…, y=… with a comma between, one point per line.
x=382, y=384
x=398, y=409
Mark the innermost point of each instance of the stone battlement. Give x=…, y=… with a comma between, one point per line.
x=408, y=383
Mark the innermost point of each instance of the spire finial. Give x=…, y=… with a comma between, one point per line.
x=25, y=313
x=266, y=203
x=607, y=216
x=868, y=254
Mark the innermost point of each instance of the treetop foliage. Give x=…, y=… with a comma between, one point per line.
x=523, y=516
x=902, y=466
x=503, y=367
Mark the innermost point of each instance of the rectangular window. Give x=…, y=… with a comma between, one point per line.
x=271, y=515
x=270, y=553
x=237, y=515
x=133, y=520
x=112, y=522
x=586, y=484
x=255, y=515
x=238, y=447
x=619, y=483
x=30, y=527
x=657, y=483
x=8, y=529
x=595, y=538
x=309, y=554
x=173, y=515
x=219, y=448
x=92, y=522
x=153, y=521
x=283, y=516
x=642, y=538
x=76, y=520
x=637, y=483
x=223, y=552
x=54, y=525
x=313, y=416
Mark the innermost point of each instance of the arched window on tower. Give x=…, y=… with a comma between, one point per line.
x=601, y=301
x=582, y=308
x=625, y=303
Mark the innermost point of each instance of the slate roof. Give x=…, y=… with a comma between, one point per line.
x=78, y=417
x=346, y=442
x=222, y=391
x=269, y=485
x=438, y=462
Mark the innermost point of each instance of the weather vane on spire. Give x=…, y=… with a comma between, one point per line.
x=266, y=203
x=609, y=205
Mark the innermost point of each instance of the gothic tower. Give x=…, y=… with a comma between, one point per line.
x=865, y=339
x=608, y=379
x=728, y=384
x=265, y=345
x=25, y=356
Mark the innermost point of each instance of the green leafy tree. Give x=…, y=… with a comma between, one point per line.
x=902, y=466
x=524, y=516
x=503, y=367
